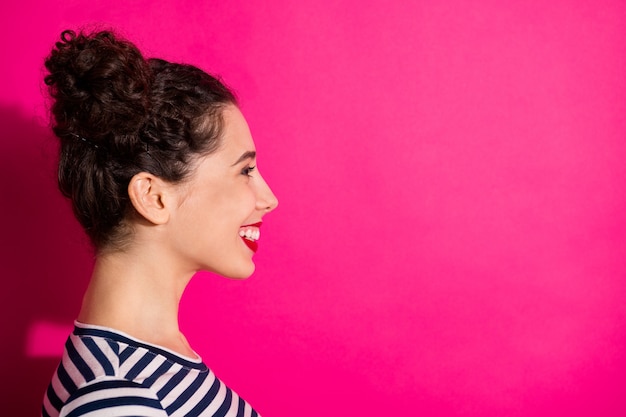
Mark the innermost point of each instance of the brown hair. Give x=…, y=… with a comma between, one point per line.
x=117, y=114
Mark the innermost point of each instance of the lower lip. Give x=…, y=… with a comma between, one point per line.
x=253, y=246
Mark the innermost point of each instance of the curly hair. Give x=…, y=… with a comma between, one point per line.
x=131, y=115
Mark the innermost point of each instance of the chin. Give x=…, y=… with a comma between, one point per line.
x=238, y=273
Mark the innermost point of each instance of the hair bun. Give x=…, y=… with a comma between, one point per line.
x=99, y=84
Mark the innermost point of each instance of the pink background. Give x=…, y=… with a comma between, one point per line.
x=451, y=234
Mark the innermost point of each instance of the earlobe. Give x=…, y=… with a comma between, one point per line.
x=146, y=193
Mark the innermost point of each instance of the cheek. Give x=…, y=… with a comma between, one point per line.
x=236, y=204
x=250, y=199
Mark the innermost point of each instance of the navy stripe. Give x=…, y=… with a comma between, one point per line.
x=103, y=385
x=99, y=355
x=108, y=403
x=206, y=400
x=114, y=345
x=188, y=393
x=140, y=365
x=54, y=399
x=241, y=409
x=172, y=383
x=93, y=359
x=125, y=354
x=78, y=361
x=165, y=366
x=221, y=412
x=81, y=331
x=65, y=379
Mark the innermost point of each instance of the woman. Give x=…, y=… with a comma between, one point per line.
x=160, y=167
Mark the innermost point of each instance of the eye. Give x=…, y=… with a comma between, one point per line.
x=247, y=171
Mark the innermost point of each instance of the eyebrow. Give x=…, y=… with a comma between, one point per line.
x=244, y=156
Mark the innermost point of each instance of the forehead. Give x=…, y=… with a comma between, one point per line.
x=236, y=141
x=236, y=136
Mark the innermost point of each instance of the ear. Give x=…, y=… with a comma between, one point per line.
x=147, y=195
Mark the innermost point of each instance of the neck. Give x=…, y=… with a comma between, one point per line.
x=134, y=293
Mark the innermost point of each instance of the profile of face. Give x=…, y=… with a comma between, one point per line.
x=218, y=215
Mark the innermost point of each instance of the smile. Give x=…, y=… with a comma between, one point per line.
x=250, y=234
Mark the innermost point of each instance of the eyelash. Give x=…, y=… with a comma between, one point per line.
x=247, y=170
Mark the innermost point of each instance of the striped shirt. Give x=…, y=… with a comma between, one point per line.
x=107, y=373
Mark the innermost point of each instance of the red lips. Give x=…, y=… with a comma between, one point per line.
x=258, y=224
x=252, y=244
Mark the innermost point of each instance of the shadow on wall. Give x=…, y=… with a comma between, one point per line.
x=44, y=262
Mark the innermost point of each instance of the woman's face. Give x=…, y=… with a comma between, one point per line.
x=216, y=224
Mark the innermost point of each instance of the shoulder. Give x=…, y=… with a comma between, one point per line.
x=113, y=397
x=95, y=369
x=104, y=373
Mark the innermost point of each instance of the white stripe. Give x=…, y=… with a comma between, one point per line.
x=72, y=371
x=149, y=369
x=218, y=401
x=58, y=387
x=248, y=410
x=173, y=395
x=109, y=393
x=114, y=392
x=124, y=411
x=165, y=378
x=199, y=395
x=135, y=357
x=108, y=351
x=88, y=357
x=48, y=406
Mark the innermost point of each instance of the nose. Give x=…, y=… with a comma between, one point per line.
x=266, y=200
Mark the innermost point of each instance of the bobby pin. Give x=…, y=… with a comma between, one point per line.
x=88, y=142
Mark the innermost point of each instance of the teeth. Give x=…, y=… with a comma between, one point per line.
x=250, y=234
